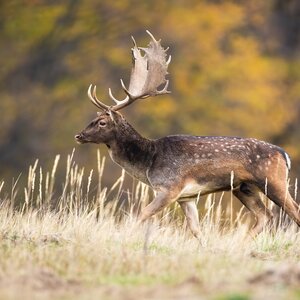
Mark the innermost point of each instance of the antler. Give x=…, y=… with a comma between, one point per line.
x=94, y=99
x=147, y=75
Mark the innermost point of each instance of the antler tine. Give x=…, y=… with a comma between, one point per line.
x=134, y=42
x=101, y=105
x=165, y=89
x=169, y=60
x=125, y=88
x=151, y=35
x=90, y=95
x=118, y=102
x=94, y=98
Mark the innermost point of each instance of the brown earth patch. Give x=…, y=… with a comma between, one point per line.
x=286, y=274
x=38, y=280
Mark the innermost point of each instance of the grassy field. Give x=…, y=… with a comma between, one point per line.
x=78, y=245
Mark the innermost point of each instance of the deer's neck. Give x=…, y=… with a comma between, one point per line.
x=132, y=152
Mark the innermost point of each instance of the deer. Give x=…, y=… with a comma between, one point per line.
x=182, y=167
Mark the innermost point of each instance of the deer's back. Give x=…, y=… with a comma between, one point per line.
x=207, y=158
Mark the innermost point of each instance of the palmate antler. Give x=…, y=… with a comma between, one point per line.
x=147, y=75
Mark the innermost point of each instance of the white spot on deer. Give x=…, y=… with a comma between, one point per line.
x=196, y=155
x=288, y=160
x=258, y=156
x=260, y=168
x=203, y=155
x=216, y=150
x=250, y=161
x=209, y=154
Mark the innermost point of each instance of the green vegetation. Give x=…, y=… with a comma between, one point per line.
x=234, y=297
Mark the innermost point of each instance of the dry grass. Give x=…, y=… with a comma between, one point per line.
x=76, y=245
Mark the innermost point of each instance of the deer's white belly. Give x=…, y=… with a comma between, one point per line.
x=193, y=188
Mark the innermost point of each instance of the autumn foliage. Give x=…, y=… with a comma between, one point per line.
x=235, y=71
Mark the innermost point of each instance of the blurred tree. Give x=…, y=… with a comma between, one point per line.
x=234, y=71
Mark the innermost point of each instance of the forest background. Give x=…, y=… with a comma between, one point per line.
x=235, y=70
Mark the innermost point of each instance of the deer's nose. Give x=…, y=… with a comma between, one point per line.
x=80, y=138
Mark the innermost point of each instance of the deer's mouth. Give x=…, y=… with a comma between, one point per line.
x=80, y=139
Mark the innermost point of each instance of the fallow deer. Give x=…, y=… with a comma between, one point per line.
x=179, y=167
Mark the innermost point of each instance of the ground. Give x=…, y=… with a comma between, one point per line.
x=82, y=258
x=78, y=245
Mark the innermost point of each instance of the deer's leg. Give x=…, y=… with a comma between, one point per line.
x=248, y=194
x=192, y=217
x=162, y=199
x=279, y=194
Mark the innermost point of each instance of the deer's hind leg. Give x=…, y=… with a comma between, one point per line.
x=279, y=194
x=190, y=211
x=249, y=195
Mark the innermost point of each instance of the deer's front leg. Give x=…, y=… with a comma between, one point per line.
x=162, y=199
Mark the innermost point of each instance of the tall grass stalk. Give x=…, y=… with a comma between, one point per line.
x=88, y=232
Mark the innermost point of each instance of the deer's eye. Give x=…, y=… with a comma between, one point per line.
x=102, y=123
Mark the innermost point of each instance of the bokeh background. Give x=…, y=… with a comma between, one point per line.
x=235, y=71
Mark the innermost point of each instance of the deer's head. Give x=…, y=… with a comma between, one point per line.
x=147, y=75
x=102, y=129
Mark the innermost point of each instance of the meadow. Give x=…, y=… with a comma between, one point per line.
x=80, y=240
